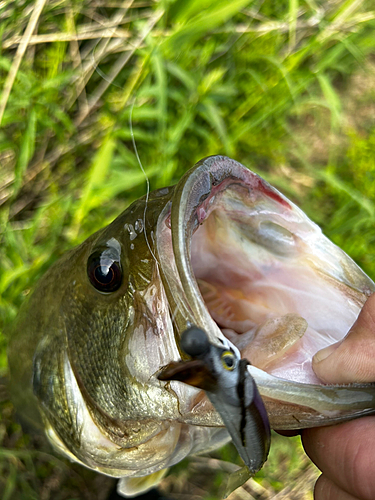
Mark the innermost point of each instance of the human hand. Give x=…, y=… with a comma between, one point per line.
x=345, y=453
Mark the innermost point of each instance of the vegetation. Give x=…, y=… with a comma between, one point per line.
x=287, y=88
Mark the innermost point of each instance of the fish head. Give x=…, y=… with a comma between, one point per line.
x=88, y=346
x=221, y=250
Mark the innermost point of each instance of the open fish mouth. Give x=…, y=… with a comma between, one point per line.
x=254, y=268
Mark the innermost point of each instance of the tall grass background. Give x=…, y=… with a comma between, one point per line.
x=287, y=88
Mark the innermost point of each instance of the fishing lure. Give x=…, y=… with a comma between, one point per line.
x=224, y=376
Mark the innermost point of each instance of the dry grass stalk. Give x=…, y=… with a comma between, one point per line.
x=39, y=5
x=116, y=68
x=68, y=37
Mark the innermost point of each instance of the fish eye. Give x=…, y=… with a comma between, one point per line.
x=104, y=272
x=228, y=360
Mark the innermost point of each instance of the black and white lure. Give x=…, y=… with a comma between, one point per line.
x=231, y=389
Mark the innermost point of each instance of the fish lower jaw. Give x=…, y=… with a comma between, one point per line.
x=86, y=444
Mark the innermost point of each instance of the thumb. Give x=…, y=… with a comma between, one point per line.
x=353, y=358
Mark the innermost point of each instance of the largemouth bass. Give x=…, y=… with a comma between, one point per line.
x=223, y=251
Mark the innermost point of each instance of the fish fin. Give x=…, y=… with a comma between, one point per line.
x=130, y=487
x=236, y=479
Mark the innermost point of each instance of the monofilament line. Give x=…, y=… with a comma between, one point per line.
x=146, y=177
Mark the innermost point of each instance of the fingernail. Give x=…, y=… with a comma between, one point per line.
x=324, y=353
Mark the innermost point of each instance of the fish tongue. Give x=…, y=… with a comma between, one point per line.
x=275, y=339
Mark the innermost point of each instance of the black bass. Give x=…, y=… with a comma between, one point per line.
x=223, y=251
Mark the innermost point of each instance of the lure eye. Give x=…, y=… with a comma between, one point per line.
x=104, y=272
x=228, y=360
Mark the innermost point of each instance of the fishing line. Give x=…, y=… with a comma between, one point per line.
x=118, y=18
x=146, y=177
x=174, y=313
x=95, y=62
x=104, y=76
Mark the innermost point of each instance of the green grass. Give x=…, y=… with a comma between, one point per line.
x=284, y=87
